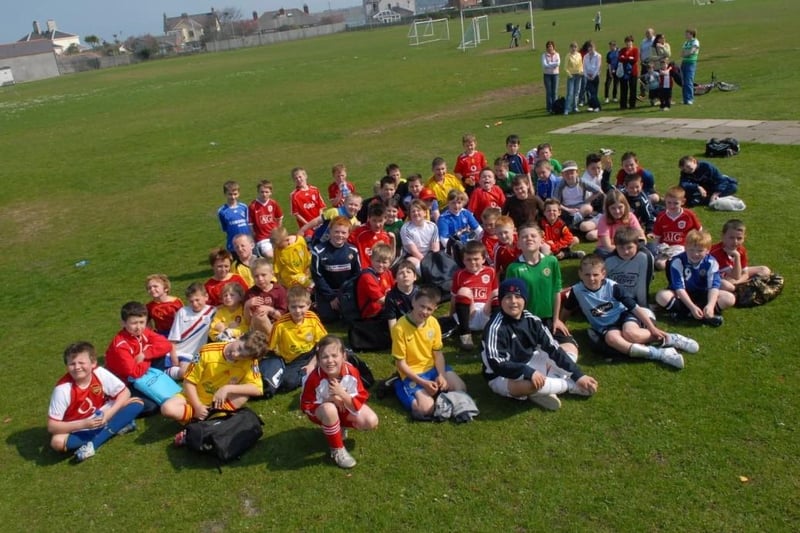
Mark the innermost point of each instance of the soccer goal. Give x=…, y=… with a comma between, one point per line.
x=428, y=31
x=474, y=31
x=475, y=22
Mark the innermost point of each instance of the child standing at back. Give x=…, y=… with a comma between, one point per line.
x=89, y=405
x=731, y=255
x=306, y=201
x=469, y=163
x=233, y=216
x=672, y=225
x=517, y=162
x=340, y=188
x=334, y=398
x=163, y=306
x=265, y=215
x=442, y=182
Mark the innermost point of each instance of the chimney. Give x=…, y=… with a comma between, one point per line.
x=51, y=25
x=305, y=9
x=281, y=11
x=36, y=29
x=255, y=15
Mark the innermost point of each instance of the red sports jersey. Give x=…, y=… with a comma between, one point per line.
x=480, y=199
x=70, y=402
x=504, y=255
x=264, y=217
x=334, y=190
x=470, y=166
x=363, y=238
x=725, y=261
x=557, y=236
x=481, y=283
x=163, y=313
x=214, y=288
x=124, y=348
x=673, y=231
x=316, y=392
x=370, y=289
x=306, y=205
x=489, y=242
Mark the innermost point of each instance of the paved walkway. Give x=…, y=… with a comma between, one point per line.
x=753, y=131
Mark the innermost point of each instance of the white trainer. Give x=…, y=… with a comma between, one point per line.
x=671, y=357
x=574, y=388
x=549, y=402
x=84, y=452
x=342, y=458
x=681, y=342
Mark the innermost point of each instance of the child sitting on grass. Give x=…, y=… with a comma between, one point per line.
x=375, y=282
x=398, y=299
x=731, y=255
x=291, y=344
x=417, y=350
x=616, y=214
x=89, y=405
x=693, y=283
x=630, y=166
x=190, y=329
x=292, y=259
x=230, y=321
x=672, y=225
x=224, y=377
x=334, y=398
x=486, y=195
x=631, y=266
x=221, y=261
x=522, y=360
x=506, y=251
x=244, y=247
x=163, y=306
x=473, y=294
x=703, y=182
x=556, y=235
x=577, y=198
x=616, y=320
x=266, y=301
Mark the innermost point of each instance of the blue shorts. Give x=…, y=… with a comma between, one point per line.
x=406, y=389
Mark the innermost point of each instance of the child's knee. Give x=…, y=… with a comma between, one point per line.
x=464, y=295
x=422, y=404
x=59, y=442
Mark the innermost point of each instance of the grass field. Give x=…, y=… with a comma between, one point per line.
x=124, y=168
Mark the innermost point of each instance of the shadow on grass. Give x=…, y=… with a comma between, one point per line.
x=191, y=276
x=33, y=444
x=294, y=448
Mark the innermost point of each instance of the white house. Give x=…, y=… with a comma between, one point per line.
x=60, y=40
x=401, y=7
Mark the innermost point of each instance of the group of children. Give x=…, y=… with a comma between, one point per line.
x=257, y=326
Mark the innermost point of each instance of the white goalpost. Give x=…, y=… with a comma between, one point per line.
x=475, y=22
x=428, y=31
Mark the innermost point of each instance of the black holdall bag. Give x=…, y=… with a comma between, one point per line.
x=225, y=434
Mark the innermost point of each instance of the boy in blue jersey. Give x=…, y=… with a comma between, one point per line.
x=616, y=318
x=694, y=283
x=233, y=216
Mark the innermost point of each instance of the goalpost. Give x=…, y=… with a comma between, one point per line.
x=428, y=31
x=472, y=32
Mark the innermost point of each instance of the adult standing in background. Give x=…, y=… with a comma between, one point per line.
x=629, y=58
x=573, y=66
x=644, y=56
x=592, y=65
x=612, y=58
x=689, y=53
x=550, y=63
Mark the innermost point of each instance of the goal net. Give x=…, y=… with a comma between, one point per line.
x=428, y=31
x=474, y=32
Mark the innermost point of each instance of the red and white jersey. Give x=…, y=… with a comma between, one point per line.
x=673, y=231
x=70, y=402
x=481, y=199
x=470, y=166
x=307, y=204
x=725, y=261
x=364, y=238
x=264, y=217
x=481, y=283
x=316, y=389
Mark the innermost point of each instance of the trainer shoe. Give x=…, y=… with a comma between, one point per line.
x=681, y=342
x=550, y=402
x=465, y=342
x=180, y=439
x=128, y=428
x=574, y=388
x=342, y=458
x=607, y=100
x=576, y=254
x=714, y=321
x=671, y=357
x=84, y=452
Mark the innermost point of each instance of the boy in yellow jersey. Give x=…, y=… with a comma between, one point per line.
x=291, y=343
x=442, y=182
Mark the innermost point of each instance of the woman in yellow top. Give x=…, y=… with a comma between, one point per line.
x=573, y=66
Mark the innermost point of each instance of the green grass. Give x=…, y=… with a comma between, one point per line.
x=117, y=167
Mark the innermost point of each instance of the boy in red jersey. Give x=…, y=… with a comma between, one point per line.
x=372, y=287
x=506, y=251
x=469, y=163
x=473, y=294
x=365, y=237
x=306, y=201
x=487, y=194
x=162, y=308
x=266, y=301
x=136, y=348
x=265, y=215
x=340, y=188
x=672, y=225
x=489, y=237
x=731, y=255
x=89, y=405
x=221, y=261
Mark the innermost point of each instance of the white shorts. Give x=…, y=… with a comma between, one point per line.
x=538, y=362
x=478, y=319
x=264, y=248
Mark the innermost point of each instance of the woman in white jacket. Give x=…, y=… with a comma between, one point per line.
x=550, y=63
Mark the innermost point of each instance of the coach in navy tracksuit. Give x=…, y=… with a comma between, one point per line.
x=333, y=262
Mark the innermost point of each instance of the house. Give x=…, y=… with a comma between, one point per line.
x=191, y=28
x=59, y=40
x=402, y=8
x=29, y=60
x=284, y=19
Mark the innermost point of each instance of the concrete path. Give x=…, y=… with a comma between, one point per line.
x=753, y=131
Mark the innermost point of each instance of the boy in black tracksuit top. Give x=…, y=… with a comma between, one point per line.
x=332, y=263
x=520, y=358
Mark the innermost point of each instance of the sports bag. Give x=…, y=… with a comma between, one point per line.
x=225, y=434
x=369, y=335
x=759, y=290
x=726, y=147
x=156, y=385
x=348, y=303
x=438, y=268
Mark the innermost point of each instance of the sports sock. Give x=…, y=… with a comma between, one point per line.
x=333, y=434
x=76, y=440
x=640, y=350
x=174, y=372
x=462, y=312
x=123, y=417
x=553, y=386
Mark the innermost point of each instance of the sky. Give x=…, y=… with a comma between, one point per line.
x=105, y=18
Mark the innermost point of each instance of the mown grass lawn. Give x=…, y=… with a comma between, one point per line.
x=124, y=168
